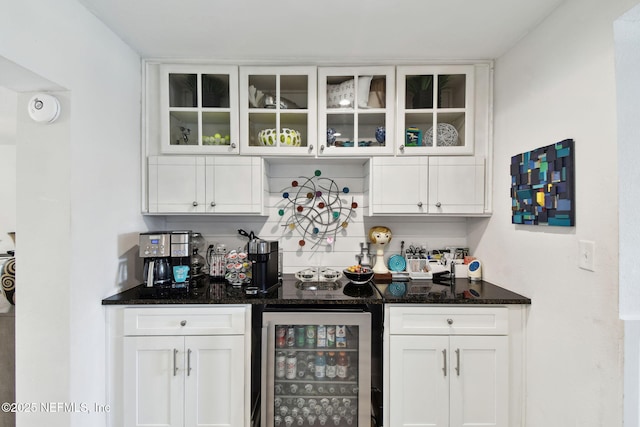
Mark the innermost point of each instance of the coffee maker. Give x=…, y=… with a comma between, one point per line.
x=155, y=250
x=263, y=255
x=180, y=259
x=167, y=261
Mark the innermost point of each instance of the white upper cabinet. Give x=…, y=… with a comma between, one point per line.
x=199, y=109
x=356, y=108
x=278, y=110
x=437, y=109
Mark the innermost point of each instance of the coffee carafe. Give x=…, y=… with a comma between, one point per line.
x=154, y=248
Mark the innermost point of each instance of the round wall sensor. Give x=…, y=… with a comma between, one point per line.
x=475, y=270
x=44, y=108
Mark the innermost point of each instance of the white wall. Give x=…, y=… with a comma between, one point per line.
x=559, y=83
x=627, y=38
x=77, y=204
x=8, y=112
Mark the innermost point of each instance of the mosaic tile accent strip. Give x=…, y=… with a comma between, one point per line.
x=543, y=186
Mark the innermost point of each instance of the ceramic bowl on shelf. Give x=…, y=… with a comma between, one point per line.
x=359, y=277
x=288, y=137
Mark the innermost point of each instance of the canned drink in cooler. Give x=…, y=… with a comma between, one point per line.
x=321, y=336
x=291, y=366
x=300, y=336
x=310, y=334
x=331, y=336
x=341, y=336
x=281, y=332
x=291, y=336
x=280, y=364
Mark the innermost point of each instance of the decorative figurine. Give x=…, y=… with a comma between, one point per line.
x=380, y=236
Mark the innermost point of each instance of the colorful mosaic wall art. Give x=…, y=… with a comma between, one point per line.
x=543, y=186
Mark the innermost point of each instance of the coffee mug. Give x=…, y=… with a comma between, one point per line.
x=180, y=273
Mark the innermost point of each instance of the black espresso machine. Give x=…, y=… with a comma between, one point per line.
x=167, y=262
x=264, y=258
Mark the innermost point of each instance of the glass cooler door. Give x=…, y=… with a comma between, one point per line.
x=316, y=369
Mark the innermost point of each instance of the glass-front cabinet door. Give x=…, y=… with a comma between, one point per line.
x=278, y=110
x=435, y=110
x=199, y=109
x=356, y=110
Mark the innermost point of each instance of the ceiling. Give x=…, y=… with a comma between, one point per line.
x=321, y=31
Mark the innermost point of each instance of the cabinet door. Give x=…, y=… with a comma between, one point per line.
x=214, y=381
x=234, y=185
x=176, y=184
x=419, y=381
x=456, y=185
x=199, y=109
x=399, y=185
x=435, y=109
x=356, y=110
x=479, y=381
x=153, y=381
x=278, y=110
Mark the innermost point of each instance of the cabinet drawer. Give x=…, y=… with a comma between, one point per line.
x=184, y=321
x=448, y=320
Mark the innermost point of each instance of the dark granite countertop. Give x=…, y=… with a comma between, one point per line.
x=289, y=293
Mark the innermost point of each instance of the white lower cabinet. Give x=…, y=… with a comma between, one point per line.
x=205, y=185
x=451, y=367
x=182, y=367
x=448, y=381
x=184, y=381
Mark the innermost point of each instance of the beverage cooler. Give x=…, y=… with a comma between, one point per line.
x=316, y=369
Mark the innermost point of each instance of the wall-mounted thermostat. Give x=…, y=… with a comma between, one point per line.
x=44, y=108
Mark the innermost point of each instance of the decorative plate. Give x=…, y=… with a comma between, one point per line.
x=397, y=263
x=447, y=136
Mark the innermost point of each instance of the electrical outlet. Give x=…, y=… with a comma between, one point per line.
x=586, y=255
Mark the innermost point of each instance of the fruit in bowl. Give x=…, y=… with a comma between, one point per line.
x=358, y=274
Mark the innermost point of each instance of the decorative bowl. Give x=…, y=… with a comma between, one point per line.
x=360, y=278
x=447, y=136
x=288, y=137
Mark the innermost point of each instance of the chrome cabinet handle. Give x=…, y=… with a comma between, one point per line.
x=401, y=148
x=419, y=204
x=444, y=358
x=322, y=148
x=195, y=203
x=213, y=204
x=183, y=323
x=458, y=361
x=311, y=148
x=175, y=364
x=233, y=145
x=450, y=321
x=189, y=362
x=438, y=204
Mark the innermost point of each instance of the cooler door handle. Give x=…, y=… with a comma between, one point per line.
x=458, y=361
x=188, y=362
